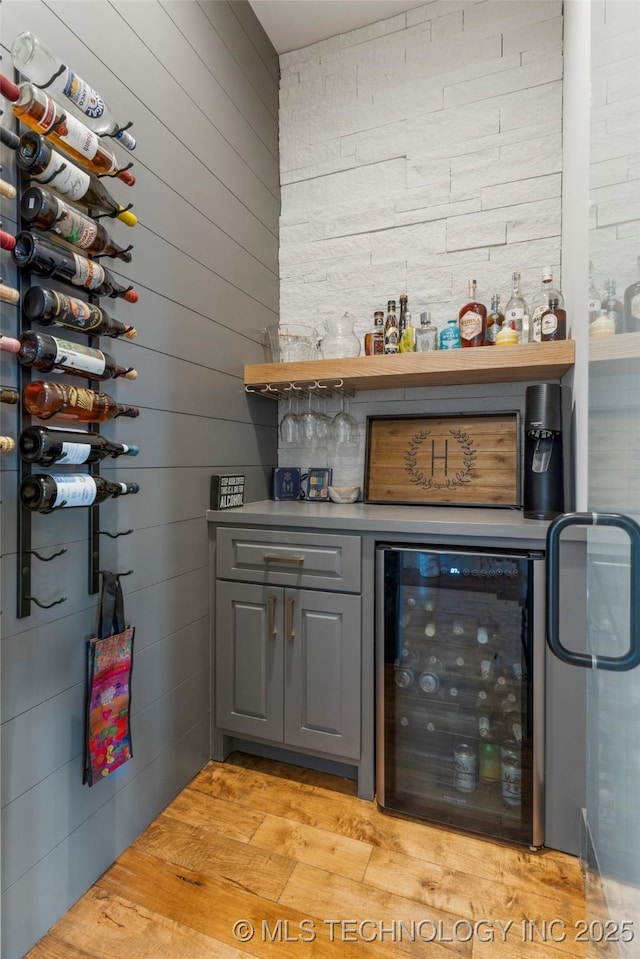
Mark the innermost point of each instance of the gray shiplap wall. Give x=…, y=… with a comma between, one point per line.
x=200, y=82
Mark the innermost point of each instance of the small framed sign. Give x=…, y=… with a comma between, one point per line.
x=285, y=483
x=318, y=481
x=227, y=491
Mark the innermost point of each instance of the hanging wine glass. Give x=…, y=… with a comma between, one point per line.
x=344, y=426
x=324, y=423
x=308, y=423
x=290, y=428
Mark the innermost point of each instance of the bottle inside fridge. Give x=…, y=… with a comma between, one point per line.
x=459, y=671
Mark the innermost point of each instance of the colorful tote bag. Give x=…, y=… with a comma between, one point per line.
x=109, y=664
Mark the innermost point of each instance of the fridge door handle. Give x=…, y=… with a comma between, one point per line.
x=631, y=658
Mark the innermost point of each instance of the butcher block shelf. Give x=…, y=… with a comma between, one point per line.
x=509, y=364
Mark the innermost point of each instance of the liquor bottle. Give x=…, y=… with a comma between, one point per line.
x=46, y=212
x=495, y=321
x=450, y=336
x=472, y=318
x=45, y=399
x=7, y=444
x=47, y=445
x=603, y=325
x=37, y=110
x=632, y=305
x=42, y=492
x=595, y=298
x=38, y=158
x=9, y=396
x=540, y=303
x=406, y=329
x=391, y=331
x=613, y=306
x=517, y=311
x=553, y=322
x=426, y=334
x=374, y=339
x=47, y=353
x=48, y=307
x=46, y=258
x=46, y=70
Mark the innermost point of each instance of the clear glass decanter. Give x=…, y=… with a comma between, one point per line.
x=340, y=340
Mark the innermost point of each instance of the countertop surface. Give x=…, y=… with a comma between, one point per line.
x=502, y=524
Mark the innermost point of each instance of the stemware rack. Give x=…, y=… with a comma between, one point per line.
x=283, y=390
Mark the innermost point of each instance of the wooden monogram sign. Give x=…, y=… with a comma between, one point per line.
x=463, y=460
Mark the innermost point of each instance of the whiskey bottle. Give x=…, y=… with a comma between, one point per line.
x=472, y=319
x=374, y=339
x=45, y=399
x=48, y=307
x=594, y=297
x=540, y=303
x=391, y=330
x=495, y=321
x=613, y=306
x=43, y=492
x=49, y=353
x=46, y=258
x=46, y=212
x=553, y=322
x=38, y=158
x=37, y=110
x=46, y=70
x=517, y=312
x=7, y=444
x=46, y=445
x=632, y=305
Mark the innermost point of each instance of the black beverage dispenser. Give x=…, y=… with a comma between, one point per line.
x=543, y=456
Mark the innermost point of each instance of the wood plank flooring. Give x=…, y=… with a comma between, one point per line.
x=260, y=859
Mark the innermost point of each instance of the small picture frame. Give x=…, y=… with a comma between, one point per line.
x=227, y=491
x=317, y=483
x=286, y=483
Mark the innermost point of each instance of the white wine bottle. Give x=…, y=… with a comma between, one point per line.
x=46, y=445
x=43, y=492
x=47, y=353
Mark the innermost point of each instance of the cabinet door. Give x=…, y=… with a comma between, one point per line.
x=249, y=666
x=322, y=672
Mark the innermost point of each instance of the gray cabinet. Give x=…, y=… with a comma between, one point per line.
x=288, y=658
x=288, y=666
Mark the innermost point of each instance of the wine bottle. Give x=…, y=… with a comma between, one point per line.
x=46, y=258
x=7, y=444
x=8, y=138
x=47, y=445
x=45, y=69
x=45, y=211
x=45, y=399
x=48, y=307
x=9, y=294
x=43, y=492
x=47, y=353
x=37, y=110
x=7, y=190
x=9, y=396
x=38, y=158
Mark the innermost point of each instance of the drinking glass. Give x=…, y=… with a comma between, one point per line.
x=309, y=420
x=344, y=426
x=290, y=427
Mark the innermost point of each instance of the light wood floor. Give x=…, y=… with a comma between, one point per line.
x=296, y=857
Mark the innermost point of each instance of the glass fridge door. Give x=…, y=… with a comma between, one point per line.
x=460, y=689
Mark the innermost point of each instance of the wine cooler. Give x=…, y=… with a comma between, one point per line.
x=460, y=688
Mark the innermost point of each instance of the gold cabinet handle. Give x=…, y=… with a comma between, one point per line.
x=289, y=621
x=292, y=560
x=271, y=607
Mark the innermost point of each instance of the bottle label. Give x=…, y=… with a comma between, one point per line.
x=536, y=324
x=470, y=325
x=71, y=131
x=391, y=340
x=88, y=273
x=594, y=307
x=78, y=398
x=635, y=306
x=74, y=453
x=70, y=181
x=73, y=490
x=84, y=97
x=75, y=356
x=516, y=315
x=549, y=323
x=76, y=313
x=73, y=227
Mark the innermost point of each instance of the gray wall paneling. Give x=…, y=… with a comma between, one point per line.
x=200, y=82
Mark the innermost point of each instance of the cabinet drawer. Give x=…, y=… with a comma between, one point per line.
x=289, y=558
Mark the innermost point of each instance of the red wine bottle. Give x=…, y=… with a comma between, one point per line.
x=46, y=258
x=45, y=211
x=47, y=353
x=45, y=399
x=45, y=306
x=38, y=158
x=43, y=492
x=46, y=445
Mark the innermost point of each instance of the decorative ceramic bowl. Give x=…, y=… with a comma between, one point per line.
x=344, y=494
